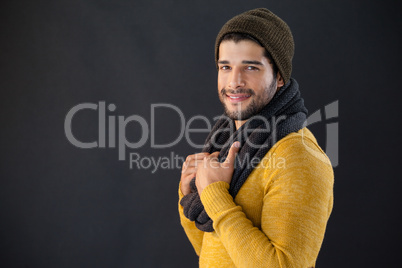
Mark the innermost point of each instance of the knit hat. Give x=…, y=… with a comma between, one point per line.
x=272, y=32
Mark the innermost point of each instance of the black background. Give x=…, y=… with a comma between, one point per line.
x=62, y=206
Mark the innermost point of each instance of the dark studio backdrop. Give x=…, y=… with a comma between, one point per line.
x=64, y=206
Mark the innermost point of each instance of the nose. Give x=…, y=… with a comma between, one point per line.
x=236, y=79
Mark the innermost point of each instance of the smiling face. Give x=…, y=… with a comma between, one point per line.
x=246, y=82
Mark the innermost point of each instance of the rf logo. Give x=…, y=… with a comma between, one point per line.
x=332, y=131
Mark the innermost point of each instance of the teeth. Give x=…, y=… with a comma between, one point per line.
x=239, y=97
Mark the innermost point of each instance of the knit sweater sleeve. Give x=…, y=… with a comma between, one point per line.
x=193, y=233
x=296, y=206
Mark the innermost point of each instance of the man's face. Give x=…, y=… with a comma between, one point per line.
x=246, y=82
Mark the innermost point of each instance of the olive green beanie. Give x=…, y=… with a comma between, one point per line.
x=272, y=32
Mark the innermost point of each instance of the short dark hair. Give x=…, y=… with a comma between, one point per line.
x=237, y=37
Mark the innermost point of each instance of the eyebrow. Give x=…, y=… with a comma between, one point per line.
x=255, y=62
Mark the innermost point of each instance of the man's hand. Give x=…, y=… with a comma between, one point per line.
x=210, y=170
x=189, y=169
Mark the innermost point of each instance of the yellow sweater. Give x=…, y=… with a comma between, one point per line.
x=279, y=216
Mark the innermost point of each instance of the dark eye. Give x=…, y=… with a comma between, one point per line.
x=252, y=68
x=225, y=67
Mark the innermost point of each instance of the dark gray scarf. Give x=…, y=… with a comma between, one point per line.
x=284, y=114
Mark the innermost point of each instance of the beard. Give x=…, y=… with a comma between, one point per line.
x=258, y=102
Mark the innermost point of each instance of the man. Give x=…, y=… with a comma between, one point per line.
x=261, y=192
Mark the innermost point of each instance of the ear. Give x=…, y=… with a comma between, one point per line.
x=279, y=80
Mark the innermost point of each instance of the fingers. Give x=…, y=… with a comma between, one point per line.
x=189, y=170
x=188, y=177
x=234, y=149
x=196, y=156
x=192, y=161
x=185, y=183
x=214, y=155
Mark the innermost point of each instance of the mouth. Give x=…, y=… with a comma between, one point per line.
x=235, y=98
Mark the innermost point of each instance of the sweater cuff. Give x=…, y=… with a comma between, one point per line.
x=216, y=198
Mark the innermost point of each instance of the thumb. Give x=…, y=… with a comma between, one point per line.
x=234, y=149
